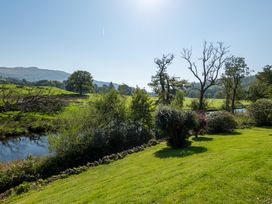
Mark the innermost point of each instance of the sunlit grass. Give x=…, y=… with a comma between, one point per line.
x=227, y=169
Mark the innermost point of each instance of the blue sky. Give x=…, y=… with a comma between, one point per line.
x=117, y=40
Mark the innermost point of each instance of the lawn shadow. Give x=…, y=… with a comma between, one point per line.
x=200, y=139
x=168, y=152
x=227, y=134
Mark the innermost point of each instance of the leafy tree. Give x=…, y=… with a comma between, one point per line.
x=80, y=81
x=111, y=86
x=262, y=87
x=125, y=90
x=111, y=109
x=141, y=119
x=261, y=112
x=141, y=108
x=235, y=70
x=212, y=60
x=226, y=83
x=265, y=75
x=259, y=90
x=162, y=84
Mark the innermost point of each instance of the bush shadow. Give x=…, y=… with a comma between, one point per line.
x=168, y=152
x=227, y=134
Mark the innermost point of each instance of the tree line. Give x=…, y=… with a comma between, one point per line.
x=215, y=67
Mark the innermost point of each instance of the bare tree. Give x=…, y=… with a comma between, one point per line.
x=212, y=60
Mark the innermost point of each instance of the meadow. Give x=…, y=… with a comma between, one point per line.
x=13, y=123
x=224, y=168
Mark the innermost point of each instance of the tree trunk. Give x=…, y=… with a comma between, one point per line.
x=233, y=99
x=201, y=99
x=196, y=134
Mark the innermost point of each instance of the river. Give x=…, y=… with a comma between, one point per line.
x=17, y=148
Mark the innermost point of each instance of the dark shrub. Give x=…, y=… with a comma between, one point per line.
x=201, y=123
x=175, y=125
x=261, y=112
x=220, y=122
x=137, y=135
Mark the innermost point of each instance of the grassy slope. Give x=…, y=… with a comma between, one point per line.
x=216, y=169
x=17, y=123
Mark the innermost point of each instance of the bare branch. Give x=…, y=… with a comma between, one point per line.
x=212, y=60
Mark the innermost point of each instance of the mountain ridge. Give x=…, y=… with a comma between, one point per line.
x=36, y=74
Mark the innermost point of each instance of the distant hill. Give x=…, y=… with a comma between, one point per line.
x=33, y=74
x=214, y=91
x=36, y=74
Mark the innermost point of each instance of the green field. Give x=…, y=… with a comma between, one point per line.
x=15, y=123
x=215, y=169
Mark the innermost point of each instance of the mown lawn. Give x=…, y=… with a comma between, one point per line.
x=216, y=169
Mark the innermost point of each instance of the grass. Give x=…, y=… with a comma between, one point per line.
x=14, y=123
x=232, y=168
x=214, y=104
x=16, y=89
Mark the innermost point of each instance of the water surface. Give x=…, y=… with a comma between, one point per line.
x=17, y=148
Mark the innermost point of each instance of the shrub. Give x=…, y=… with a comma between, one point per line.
x=24, y=171
x=137, y=135
x=110, y=110
x=141, y=109
x=175, y=125
x=261, y=112
x=178, y=100
x=201, y=123
x=194, y=105
x=220, y=122
x=244, y=120
x=24, y=187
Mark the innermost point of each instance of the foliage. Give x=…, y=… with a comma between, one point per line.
x=51, y=83
x=30, y=99
x=18, y=123
x=24, y=171
x=259, y=90
x=265, y=75
x=80, y=82
x=201, y=123
x=103, y=127
x=244, y=120
x=220, y=122
x=124, y=89
x=262, y=87
x=178, y=99
x=261, y=112
x=235, y=70
x=110, y=110
x=175, y=125
x=194, y=105
x=162, y=84
x=141, y=109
